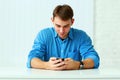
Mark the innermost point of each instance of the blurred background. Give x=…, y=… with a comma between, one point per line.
x=107, y=32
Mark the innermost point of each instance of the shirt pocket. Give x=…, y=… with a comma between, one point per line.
x=75, y=55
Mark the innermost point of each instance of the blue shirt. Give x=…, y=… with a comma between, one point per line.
x=77, y=46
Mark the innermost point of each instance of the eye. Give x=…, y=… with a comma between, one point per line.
x=57, y=25
x=66, y=26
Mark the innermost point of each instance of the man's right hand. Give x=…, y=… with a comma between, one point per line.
x=52, y=64
x=55, y=64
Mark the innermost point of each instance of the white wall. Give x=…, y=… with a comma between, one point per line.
x=20, y=21
x=107, y=32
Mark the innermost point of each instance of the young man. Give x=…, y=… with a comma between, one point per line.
x=62, y=47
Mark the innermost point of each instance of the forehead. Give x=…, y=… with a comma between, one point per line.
x=61, y=22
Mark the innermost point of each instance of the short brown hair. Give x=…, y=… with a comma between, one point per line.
x=65, y=12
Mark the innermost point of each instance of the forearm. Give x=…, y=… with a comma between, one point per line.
x=37, y=63
x=88, y=63
x=70, y=64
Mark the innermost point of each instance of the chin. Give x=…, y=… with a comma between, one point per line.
x=62, y=37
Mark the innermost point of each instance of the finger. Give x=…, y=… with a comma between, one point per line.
x=60, y=68
x=68, y=59
x=57, y=61
x=59, y=64
x=53, y=58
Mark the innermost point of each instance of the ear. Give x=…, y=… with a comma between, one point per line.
x=73, y=20
x=52, y=19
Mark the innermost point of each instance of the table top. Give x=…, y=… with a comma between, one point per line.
x=22, y=72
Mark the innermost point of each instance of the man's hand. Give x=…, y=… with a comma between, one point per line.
x=59, y=64
x=70, y=64
x=55, y=64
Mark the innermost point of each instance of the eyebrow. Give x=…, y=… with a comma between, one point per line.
x=64, y=25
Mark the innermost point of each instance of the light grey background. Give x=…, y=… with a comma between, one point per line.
x=20, y=21
x=107, y=32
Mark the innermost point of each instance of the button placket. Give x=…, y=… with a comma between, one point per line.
x=62, y=49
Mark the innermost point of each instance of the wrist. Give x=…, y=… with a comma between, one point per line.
x=46, y=65
x=81, y=66
x=77, y=65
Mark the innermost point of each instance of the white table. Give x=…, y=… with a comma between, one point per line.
x=15, y=73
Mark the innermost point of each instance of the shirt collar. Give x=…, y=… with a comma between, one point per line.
x=55, y=33
x=70, y=35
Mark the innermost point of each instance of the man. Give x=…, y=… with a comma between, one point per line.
x=62, y=47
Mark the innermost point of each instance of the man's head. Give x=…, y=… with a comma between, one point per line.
x=65, y=12
x=62, y=20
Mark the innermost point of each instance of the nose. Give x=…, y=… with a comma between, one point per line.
x=61, y=30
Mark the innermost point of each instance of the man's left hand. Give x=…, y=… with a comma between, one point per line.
x=71, y=64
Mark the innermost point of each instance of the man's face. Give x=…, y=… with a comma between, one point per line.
x=62, y=27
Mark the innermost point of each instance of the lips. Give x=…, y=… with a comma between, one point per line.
x=62, y=35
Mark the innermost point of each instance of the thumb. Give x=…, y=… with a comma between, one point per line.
x=68, y=59
x=53, y=58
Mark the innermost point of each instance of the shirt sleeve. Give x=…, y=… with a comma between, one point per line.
x=87, y=50
x=38, y=49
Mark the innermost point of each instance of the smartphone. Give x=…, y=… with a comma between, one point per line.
x=60, y=58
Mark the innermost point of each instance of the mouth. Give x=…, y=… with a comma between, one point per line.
x=63, y=36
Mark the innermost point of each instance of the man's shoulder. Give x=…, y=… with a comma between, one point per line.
x=81, y=34
x=46, y=30
x=78, y=31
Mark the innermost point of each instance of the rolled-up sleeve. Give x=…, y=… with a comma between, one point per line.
x=38, y=49
x=87, y=50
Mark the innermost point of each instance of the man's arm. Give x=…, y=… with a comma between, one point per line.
x=70, y=64
x=38, y=50
x=52, y=64
x=38, y=63
x=89, y=55
x=88, y=63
